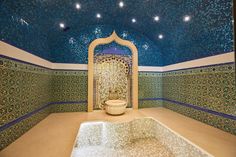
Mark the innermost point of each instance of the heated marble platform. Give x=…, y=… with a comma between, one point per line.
x=137, y=138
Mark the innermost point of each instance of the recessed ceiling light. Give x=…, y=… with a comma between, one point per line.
x=160, y=36
x=133, y=20
x=78, y=6
x=156, y=18
x=62, y=25
x=187, y=18
x=121, y=4
x=98, y=15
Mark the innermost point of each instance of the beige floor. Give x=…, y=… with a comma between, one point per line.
x=54, y=136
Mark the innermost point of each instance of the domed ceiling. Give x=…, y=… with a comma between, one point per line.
x=164, y=31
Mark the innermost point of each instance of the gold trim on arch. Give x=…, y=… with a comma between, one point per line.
x=102, y=41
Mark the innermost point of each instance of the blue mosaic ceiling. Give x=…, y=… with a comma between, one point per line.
x=165, y=31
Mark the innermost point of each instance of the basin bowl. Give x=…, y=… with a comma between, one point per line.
x=115, y=107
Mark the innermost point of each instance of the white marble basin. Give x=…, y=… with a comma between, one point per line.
x=115, y=107
x=138, y=138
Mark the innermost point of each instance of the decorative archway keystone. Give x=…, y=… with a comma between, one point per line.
x=102, y=41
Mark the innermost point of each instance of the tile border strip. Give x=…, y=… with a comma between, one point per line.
x=13, y=122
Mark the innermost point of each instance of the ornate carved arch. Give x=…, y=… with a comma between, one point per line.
x=102, y=41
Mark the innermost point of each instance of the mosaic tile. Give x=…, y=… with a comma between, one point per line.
x=69, y=86
x=209, y=32
x=150, y=86
x=25, y=88
x=112, y=78
x=12, y=133
x=69, y=107
x=210, y=88
x=137, y=138
x=149, y=103
x=219, y=122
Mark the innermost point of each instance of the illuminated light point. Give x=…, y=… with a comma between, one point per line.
x=160, y=36
x=98, y=16
x=187, y=18
x=77, y=5
x=62, y=25
x=121, y=4
x=156, y=18
x=133, y=20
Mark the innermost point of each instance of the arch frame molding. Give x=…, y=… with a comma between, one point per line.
x=102, y=41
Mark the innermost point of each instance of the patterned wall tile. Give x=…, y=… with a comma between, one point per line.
x=69, y=107
x=219, y=122
x=150, y=86
x=69, y=86
x=12, y=133
x=24, y=89
x=149, y=103
x=210, y=88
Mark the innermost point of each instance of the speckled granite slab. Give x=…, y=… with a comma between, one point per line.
x=138, y=138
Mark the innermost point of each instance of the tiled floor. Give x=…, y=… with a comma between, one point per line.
x=54, y=136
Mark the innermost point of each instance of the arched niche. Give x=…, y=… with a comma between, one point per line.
x=102, y=41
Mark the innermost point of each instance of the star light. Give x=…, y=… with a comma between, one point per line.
x=160, y=36
x=62, y=25
x=156, y=18
x=133, y=20
x=98, y=15
x=77, y=6
x=121, y=4
x=186, y=18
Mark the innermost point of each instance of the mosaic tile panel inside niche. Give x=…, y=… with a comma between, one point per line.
x=210, y=88
x=112, y=76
